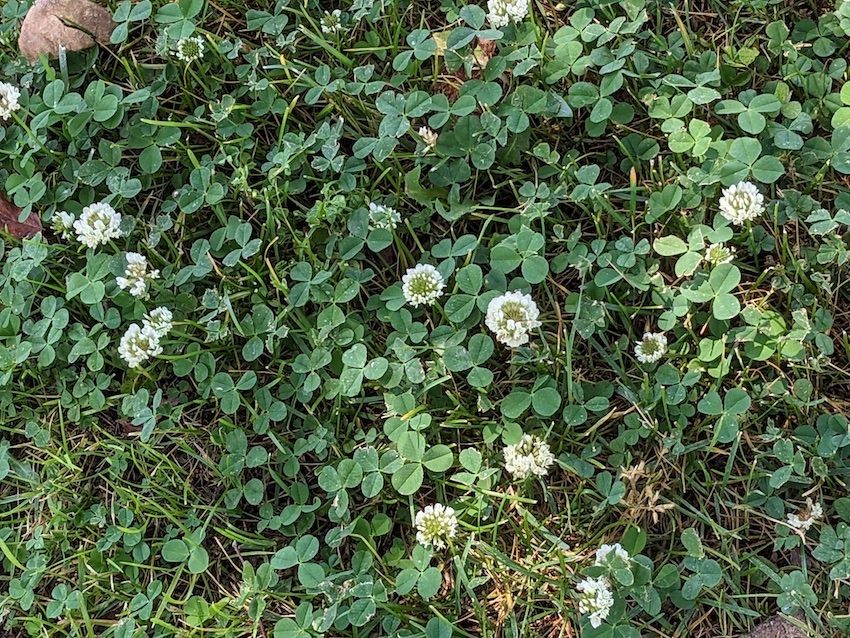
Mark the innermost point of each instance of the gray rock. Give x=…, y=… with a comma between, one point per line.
x=50, y=24
x=777, y=627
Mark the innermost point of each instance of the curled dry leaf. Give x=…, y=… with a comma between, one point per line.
x=9, y=220
x=485, y=50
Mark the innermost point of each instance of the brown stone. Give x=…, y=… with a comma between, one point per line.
x=9, y=214
x=777, y=627
x=50, y=24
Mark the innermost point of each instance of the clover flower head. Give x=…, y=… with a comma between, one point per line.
x=429, y=138
x=511, y=317
x=9, y=96
x=717, y=254
x=330, y=21
x=381, y=216
x=435, y=525
x=804, y=521
x=530, y=457
x=136, y=275
x=501, y=13
x=595, y=599
x=139, y=344
x=741, y=202
x=63, y=224
x=98, y=223
x=422, y=285
x=651, y=348
x=605, y=551
x=159, y=320
x=190, y=49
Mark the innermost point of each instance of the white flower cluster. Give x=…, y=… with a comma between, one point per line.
x=595, y=599
x=422, y=285
x=190, y=49
x=381, y=216
x=503, y=12
x=651, y=348
x=530, y=457
x=595, y=594
x=136, y=275
x=429, y=138
x=717, y=254
x=511, y=317
x=161, y=320
x=605, y=552
x=741, y=202
x=9, y=96
x=330, y=22
x=98, y=223
x=804, y=521
x=63, y=224
x=140, y=343
x=435, y=525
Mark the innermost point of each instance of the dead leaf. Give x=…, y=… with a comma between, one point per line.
x=441, y=39
x=9, y=214
x=485, y=50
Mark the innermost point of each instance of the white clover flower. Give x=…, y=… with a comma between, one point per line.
x=604, y=551
x=804, y=521
x=741, y=202
x=429, y=138
x=63, y=224
x=136, y=275
x=330, y=22
x=435, y=525
x=9, y=96
x=422, y=285
x=138, y=345
x=98, y=223
x=596, y=599
x=531, y=456
x=160, y=320
x=651, y=348
x=381, y=216
x=717, y=254
x=511, y=317
x=502, y=12
x=190, y=49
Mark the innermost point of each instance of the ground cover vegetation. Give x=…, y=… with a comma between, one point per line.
x=427, y=319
